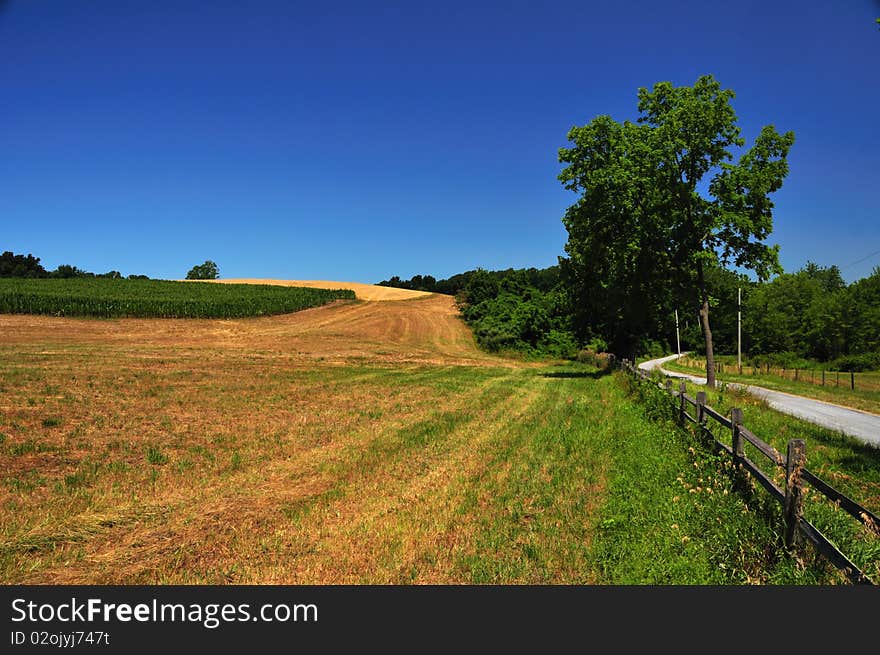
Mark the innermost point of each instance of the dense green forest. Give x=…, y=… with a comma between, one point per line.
x=811, y=314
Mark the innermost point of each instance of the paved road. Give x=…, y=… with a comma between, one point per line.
x=861, y=425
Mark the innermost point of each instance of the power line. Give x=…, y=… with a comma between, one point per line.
x=859, y=261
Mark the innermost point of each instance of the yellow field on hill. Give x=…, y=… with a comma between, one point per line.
x=361, y=290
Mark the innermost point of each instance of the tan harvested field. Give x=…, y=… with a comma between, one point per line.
x=337, y=444
x=427, y=329
x=362, y=291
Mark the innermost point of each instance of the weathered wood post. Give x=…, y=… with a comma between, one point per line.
x=682, y=387
x=823, y=377
x=701, y=403
x=669, y=386
x=852, y=380
x=795, y=374
x=736, y=420
x=795, y=460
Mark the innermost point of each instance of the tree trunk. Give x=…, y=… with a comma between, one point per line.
x=707, y=331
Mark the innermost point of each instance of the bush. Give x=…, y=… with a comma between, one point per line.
x=857, y=363
x=558, y=343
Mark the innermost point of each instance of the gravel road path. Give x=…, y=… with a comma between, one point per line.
x=861, y=425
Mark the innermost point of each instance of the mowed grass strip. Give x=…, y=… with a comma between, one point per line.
x=109, y=298
x=591, y=489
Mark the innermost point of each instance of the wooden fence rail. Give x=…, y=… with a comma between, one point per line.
x=797, y=528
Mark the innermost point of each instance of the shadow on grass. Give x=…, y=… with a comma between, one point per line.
x=595, y=375
x=864, y=456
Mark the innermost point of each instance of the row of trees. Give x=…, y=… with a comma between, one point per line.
x=28, y=266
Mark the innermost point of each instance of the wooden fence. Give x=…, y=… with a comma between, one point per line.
x=797, y=476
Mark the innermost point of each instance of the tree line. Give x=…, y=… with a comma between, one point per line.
x=28, y=266
x=808, y=315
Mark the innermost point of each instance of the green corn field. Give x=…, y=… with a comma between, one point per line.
x=109, y=298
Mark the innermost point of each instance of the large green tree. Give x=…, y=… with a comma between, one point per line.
x=661, y=203
x=206, y=271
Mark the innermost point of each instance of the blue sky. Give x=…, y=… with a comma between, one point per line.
x=355, y=141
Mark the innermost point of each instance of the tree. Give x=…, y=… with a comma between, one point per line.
x=12, y=265
x=206, y=271
x=643, y=229
x=616, y=245
x=69, y=271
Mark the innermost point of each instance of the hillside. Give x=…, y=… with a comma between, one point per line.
x=363, y=291
x=392, y=325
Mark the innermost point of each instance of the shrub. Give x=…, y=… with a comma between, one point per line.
x=857, y=363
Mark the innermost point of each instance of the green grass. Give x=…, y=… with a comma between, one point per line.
x=107, y=298
x=594, y=489
x=866, y=395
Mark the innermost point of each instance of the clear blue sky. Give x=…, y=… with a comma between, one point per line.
x=355, y=141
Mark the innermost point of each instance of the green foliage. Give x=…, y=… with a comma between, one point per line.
x=113, y=298
x=206, y=271
x=416, y=283
x=857, y=363
x=12, y=265
x=543, y=279
x=156, y=456
x=506, y=313
x=813, y=314
x=66, y=271
x=523, y=310
x=642, y=235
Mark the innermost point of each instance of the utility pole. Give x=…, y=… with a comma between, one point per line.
x=739, y=363
x=677, y=339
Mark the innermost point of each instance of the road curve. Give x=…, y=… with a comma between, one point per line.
x=861, y=425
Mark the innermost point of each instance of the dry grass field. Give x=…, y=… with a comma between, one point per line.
x=219, y=451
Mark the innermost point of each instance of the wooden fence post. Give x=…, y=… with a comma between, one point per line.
x=683, y=388
x=823, y=377
x=795, y=461
x=669, y=386
x=795, y=374
x=852, y=380
x=736, y=420
x=701, y=403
